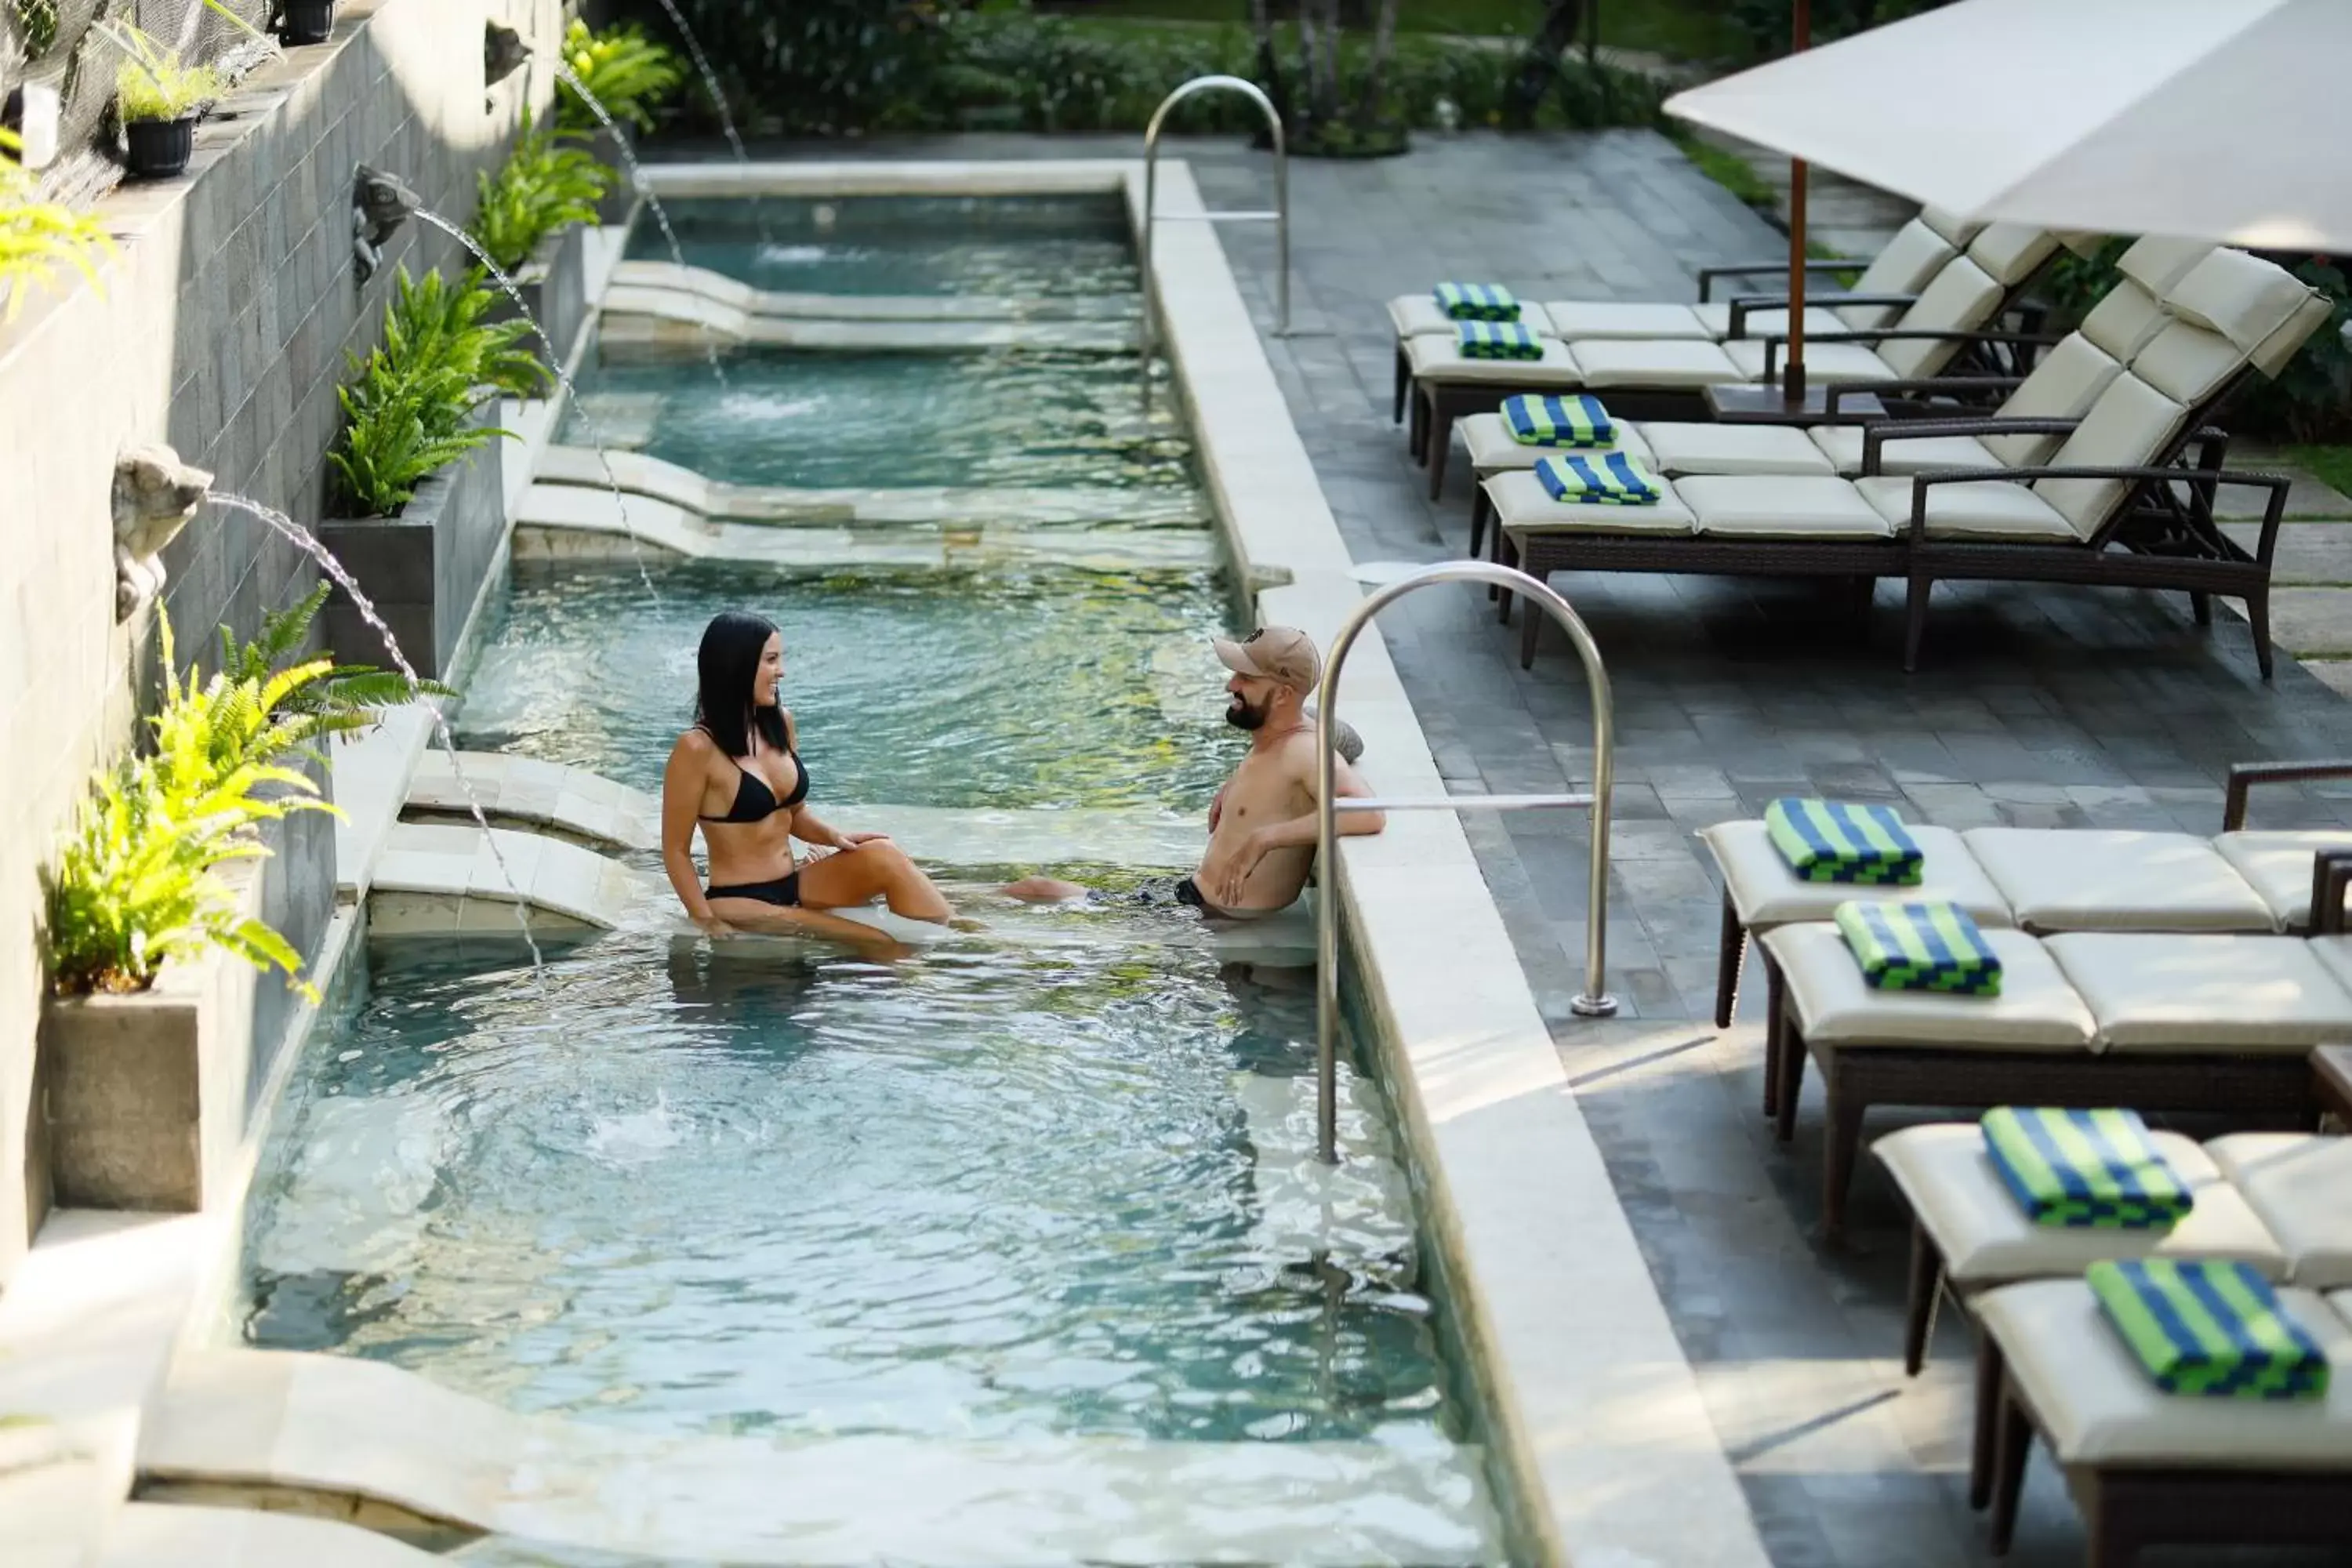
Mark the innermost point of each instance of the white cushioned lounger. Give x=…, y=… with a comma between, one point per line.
x=2300, y=1184
x=2098, y=1408
x=2240, y=994
x=1985, y=1237
x=1418, y=315
x=1439, y=359
x=1492, y=448
x=2038, y=1009
x=2082, y=878
x=2277, y=864
x=1763, y=892
x=1522, y=505
x=1903, y=266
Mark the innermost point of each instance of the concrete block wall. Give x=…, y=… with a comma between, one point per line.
x=221, y=328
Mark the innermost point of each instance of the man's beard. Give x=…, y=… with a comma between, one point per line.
x=1242, y=716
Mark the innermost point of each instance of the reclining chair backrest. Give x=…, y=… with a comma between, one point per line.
x=2128, y=317
x=1903, y=266
x=2132, y=424
x=1961, y=298
x=2063, y=385
x=2256, y=304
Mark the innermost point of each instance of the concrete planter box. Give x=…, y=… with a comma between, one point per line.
x=554, y=288
x=140, y=1101
x=423, y=569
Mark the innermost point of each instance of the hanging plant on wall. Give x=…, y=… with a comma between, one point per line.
x=39, y=239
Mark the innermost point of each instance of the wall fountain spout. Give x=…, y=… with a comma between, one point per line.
x=155, y=494
x=380, y=203
x=503, y=52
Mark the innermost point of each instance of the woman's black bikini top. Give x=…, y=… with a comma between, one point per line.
x=754, y=800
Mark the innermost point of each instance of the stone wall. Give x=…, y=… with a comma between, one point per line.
x=222, y=329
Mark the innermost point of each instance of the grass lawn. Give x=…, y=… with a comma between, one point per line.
x=1679, y=29
x=2331, y=466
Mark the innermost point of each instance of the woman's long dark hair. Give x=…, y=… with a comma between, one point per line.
x=726, y=666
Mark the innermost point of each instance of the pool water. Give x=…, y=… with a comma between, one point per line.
x=1021, y=248
x=823, y=419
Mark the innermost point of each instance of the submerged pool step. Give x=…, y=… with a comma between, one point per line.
x=436, y=878
x=346, y=1438
x=574, y=522
x=576, y=804
x=639, y=324
x=170, y=1535
x=932, y=506
x=1358, y=1213
x=721, y=289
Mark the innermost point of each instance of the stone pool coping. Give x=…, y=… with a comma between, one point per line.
x=1596, y=1413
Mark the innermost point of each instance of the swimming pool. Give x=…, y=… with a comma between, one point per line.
x=1041, y=1181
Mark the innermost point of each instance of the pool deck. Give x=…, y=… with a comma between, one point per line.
x=2035, y=707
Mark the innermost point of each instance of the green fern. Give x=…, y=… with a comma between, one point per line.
x=626, y=71
x=405, y=411
x=137, y=882
x=542, y=187
x=39, y=237
x=348, y=697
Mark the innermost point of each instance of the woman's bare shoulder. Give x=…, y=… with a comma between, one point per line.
x=695, y=743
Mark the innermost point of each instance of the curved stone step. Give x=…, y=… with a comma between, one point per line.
x=639, y=324
x=440, y=878
x=573, y=522
x=338, y=1436
x=542, y=796
x=721, y=289
x=169, y=1535
x=637, y=474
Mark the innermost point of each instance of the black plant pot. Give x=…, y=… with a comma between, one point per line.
x=159, y=149
x=305, y=21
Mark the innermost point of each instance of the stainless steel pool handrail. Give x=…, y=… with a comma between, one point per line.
x=1595, y=1001
x=1279, y=216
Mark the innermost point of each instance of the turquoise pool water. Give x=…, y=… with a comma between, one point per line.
x=1025, y=248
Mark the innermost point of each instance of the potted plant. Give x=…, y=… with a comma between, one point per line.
x=305, y=21
x=530, y=216
x=420, y=503
x=142, y=1048
x=159, y=98
x=37, y=237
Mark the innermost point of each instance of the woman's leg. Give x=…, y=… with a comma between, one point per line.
x=852, y=877
x=761, y=919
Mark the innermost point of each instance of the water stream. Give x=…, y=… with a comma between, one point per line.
x=637, y=172
x=309, y=543
x=596, y=439
x=710, y=81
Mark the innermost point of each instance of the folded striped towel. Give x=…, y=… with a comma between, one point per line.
x=1578, y=421
x=2209, y=1328
x=1830, y=841
x=1478, y=302
x=2085, y=1169
x=1498, y=340
x=1603, y=478
x=1918, y=947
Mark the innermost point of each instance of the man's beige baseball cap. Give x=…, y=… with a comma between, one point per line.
x=1283, y=654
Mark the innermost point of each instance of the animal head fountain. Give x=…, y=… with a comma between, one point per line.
x=380, y=203
x=154, y=496
x=503, y=52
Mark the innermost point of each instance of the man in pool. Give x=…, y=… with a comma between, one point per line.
x=1262, y=823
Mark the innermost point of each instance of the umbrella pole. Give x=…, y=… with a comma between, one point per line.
x=1800, y=37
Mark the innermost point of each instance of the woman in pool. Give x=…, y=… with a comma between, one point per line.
x=738, y=776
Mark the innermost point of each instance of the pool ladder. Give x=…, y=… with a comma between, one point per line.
x=1595, y=1002
x=1279, y=216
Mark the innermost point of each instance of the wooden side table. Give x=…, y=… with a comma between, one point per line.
x=1760, y=405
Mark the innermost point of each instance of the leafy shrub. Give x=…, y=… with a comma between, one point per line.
x=345, y=699
x=626, y=72
x=37, y=237
x=1767, y=23
x=544, y=184
x=822, y=67
x=137, y=881
x=406, y=410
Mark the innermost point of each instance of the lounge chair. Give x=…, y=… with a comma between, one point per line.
x=2160, y=1023
x=2050, y=879
x=1666, y=377
x=2148, y=1468
x=2111, y=508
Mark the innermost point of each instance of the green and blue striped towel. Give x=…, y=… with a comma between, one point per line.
x=2084, y=1169
x=1478, y=302
x=1603, y=478
x=1498, y=340
x=1578, y=421
x=1918, y=947
x=2209, y=1328
x=1829, y=841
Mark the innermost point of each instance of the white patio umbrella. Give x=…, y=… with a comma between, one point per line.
x=2212, y=119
